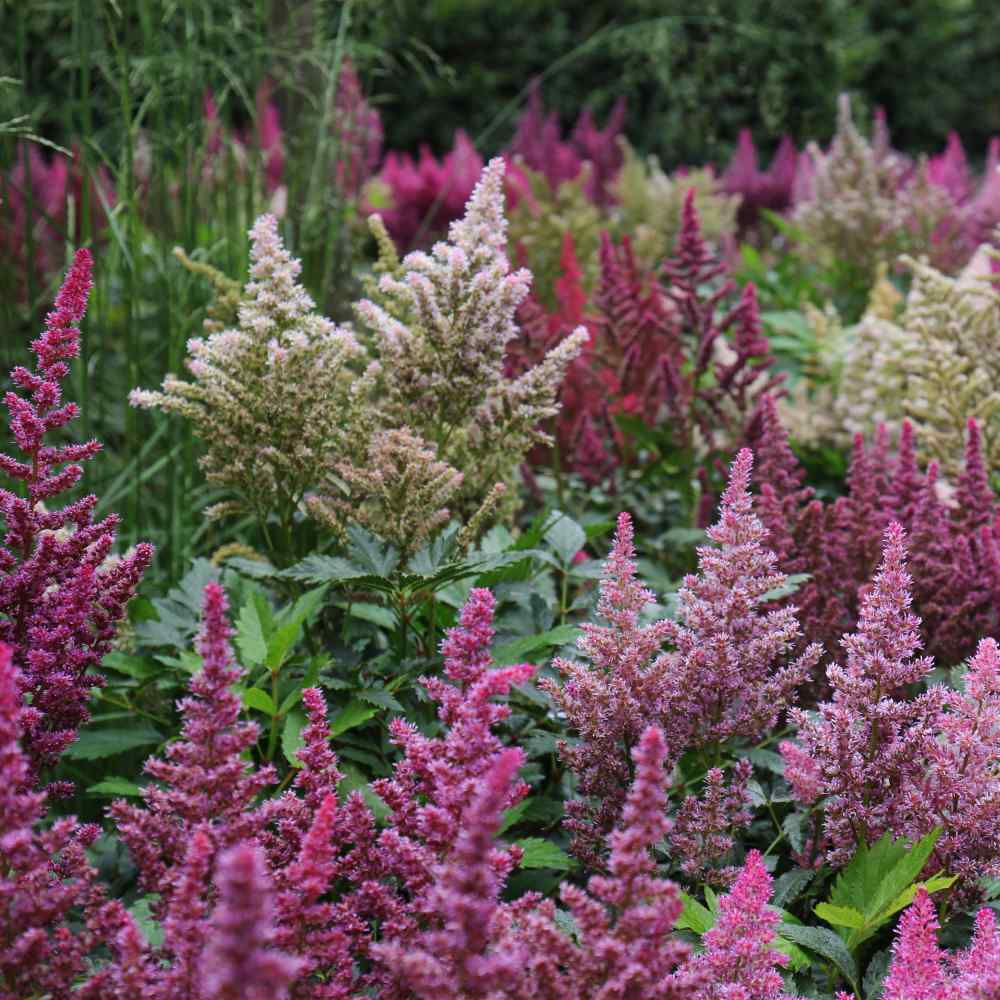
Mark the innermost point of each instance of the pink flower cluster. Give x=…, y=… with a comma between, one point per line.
x=772, y=189
x=623, y=945
x=729, y=677
x=877, y=758
x=42, y=207
x=61, y=596
x=539, y=144
x=921, y=970
x=955, y=554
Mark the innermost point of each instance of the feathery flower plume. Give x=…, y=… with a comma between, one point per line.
x=921, y=970
x=46, y=881
x=269, y=397
x=738, y=960
x=203, y=779
x=61, y=597
x=770, y=189
x=237, y=963
x=440, y=329
x=610, y=701
x=728, y=677
x=863, y=753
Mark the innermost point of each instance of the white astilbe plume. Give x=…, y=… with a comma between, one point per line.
x=440, y=328
x=269, y=397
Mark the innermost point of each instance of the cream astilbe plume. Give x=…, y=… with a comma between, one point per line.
x=269, y=396
x=440, y=331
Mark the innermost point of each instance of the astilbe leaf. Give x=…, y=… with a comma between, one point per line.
x=62, y=592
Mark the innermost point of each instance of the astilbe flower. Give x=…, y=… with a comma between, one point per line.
x=60, y=597
x=340, y=881
x=732, y=674
x=203, y=779
x=839, y=544
x=538, y=142
x=610, y=701
x=43, y=204
x=358, y=131
x=53, y=913
x=921, y=970
x=401, y=492
x=425, y=195
x=518, y=951
x=440, y=330
x=863, y=754
x=650, y=207
x=704, y=828
x=710, y=387
x=739, y=962
x=771, y=189
x=270, y=397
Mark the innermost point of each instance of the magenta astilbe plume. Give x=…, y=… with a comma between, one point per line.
x=950, y=169
x=770, y=189
x=60, y=600
x=624, y=921
x=452, y=962
x=237, y=963
x=732, y=674
x=739, y=961
x=611, y=700
x=864, y=753
x=921, y=970
x=359, y=132
x=538, y=142
x=203, y=778
x=425, y=195
x=46, y=883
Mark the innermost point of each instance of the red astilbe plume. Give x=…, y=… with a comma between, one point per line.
x=426, y=195
x=538, y=142
x=921, y=970
x=739, y=960
x=862, y=754
x=518, y=951
x=61, y=598
x=53, y=913
x=732, y=673
x=203, y=779
x=610, y=701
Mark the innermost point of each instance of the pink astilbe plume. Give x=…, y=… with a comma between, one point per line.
x=739, y=962
x=538, y=142
x=624, y=921
x=864, y=753
x=610, y=700
x=921, y=970
x=53, y=912
x=771, y=189
x=426, y=195
x=237, y=963
x=732, y=673
x=61, y=598
x=359, y=133
x=203, y=779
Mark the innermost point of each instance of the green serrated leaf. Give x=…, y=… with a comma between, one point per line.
x=903, y=873
x=132, y=666
x=292, y=627
x=540, y=853
x=250, y=635
x=93, y=744
x=694, y=916
x=291, y=737
x=113, y=787
x=513, y=815
x=259, y=699
x=565, y=537
x=827, y=943
x=789, y=886
x=142, y=913
x=840, y=916
x=354, y=713
x=320, y=569
x=520, y=649
x=380, y=697
x=372, y=554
